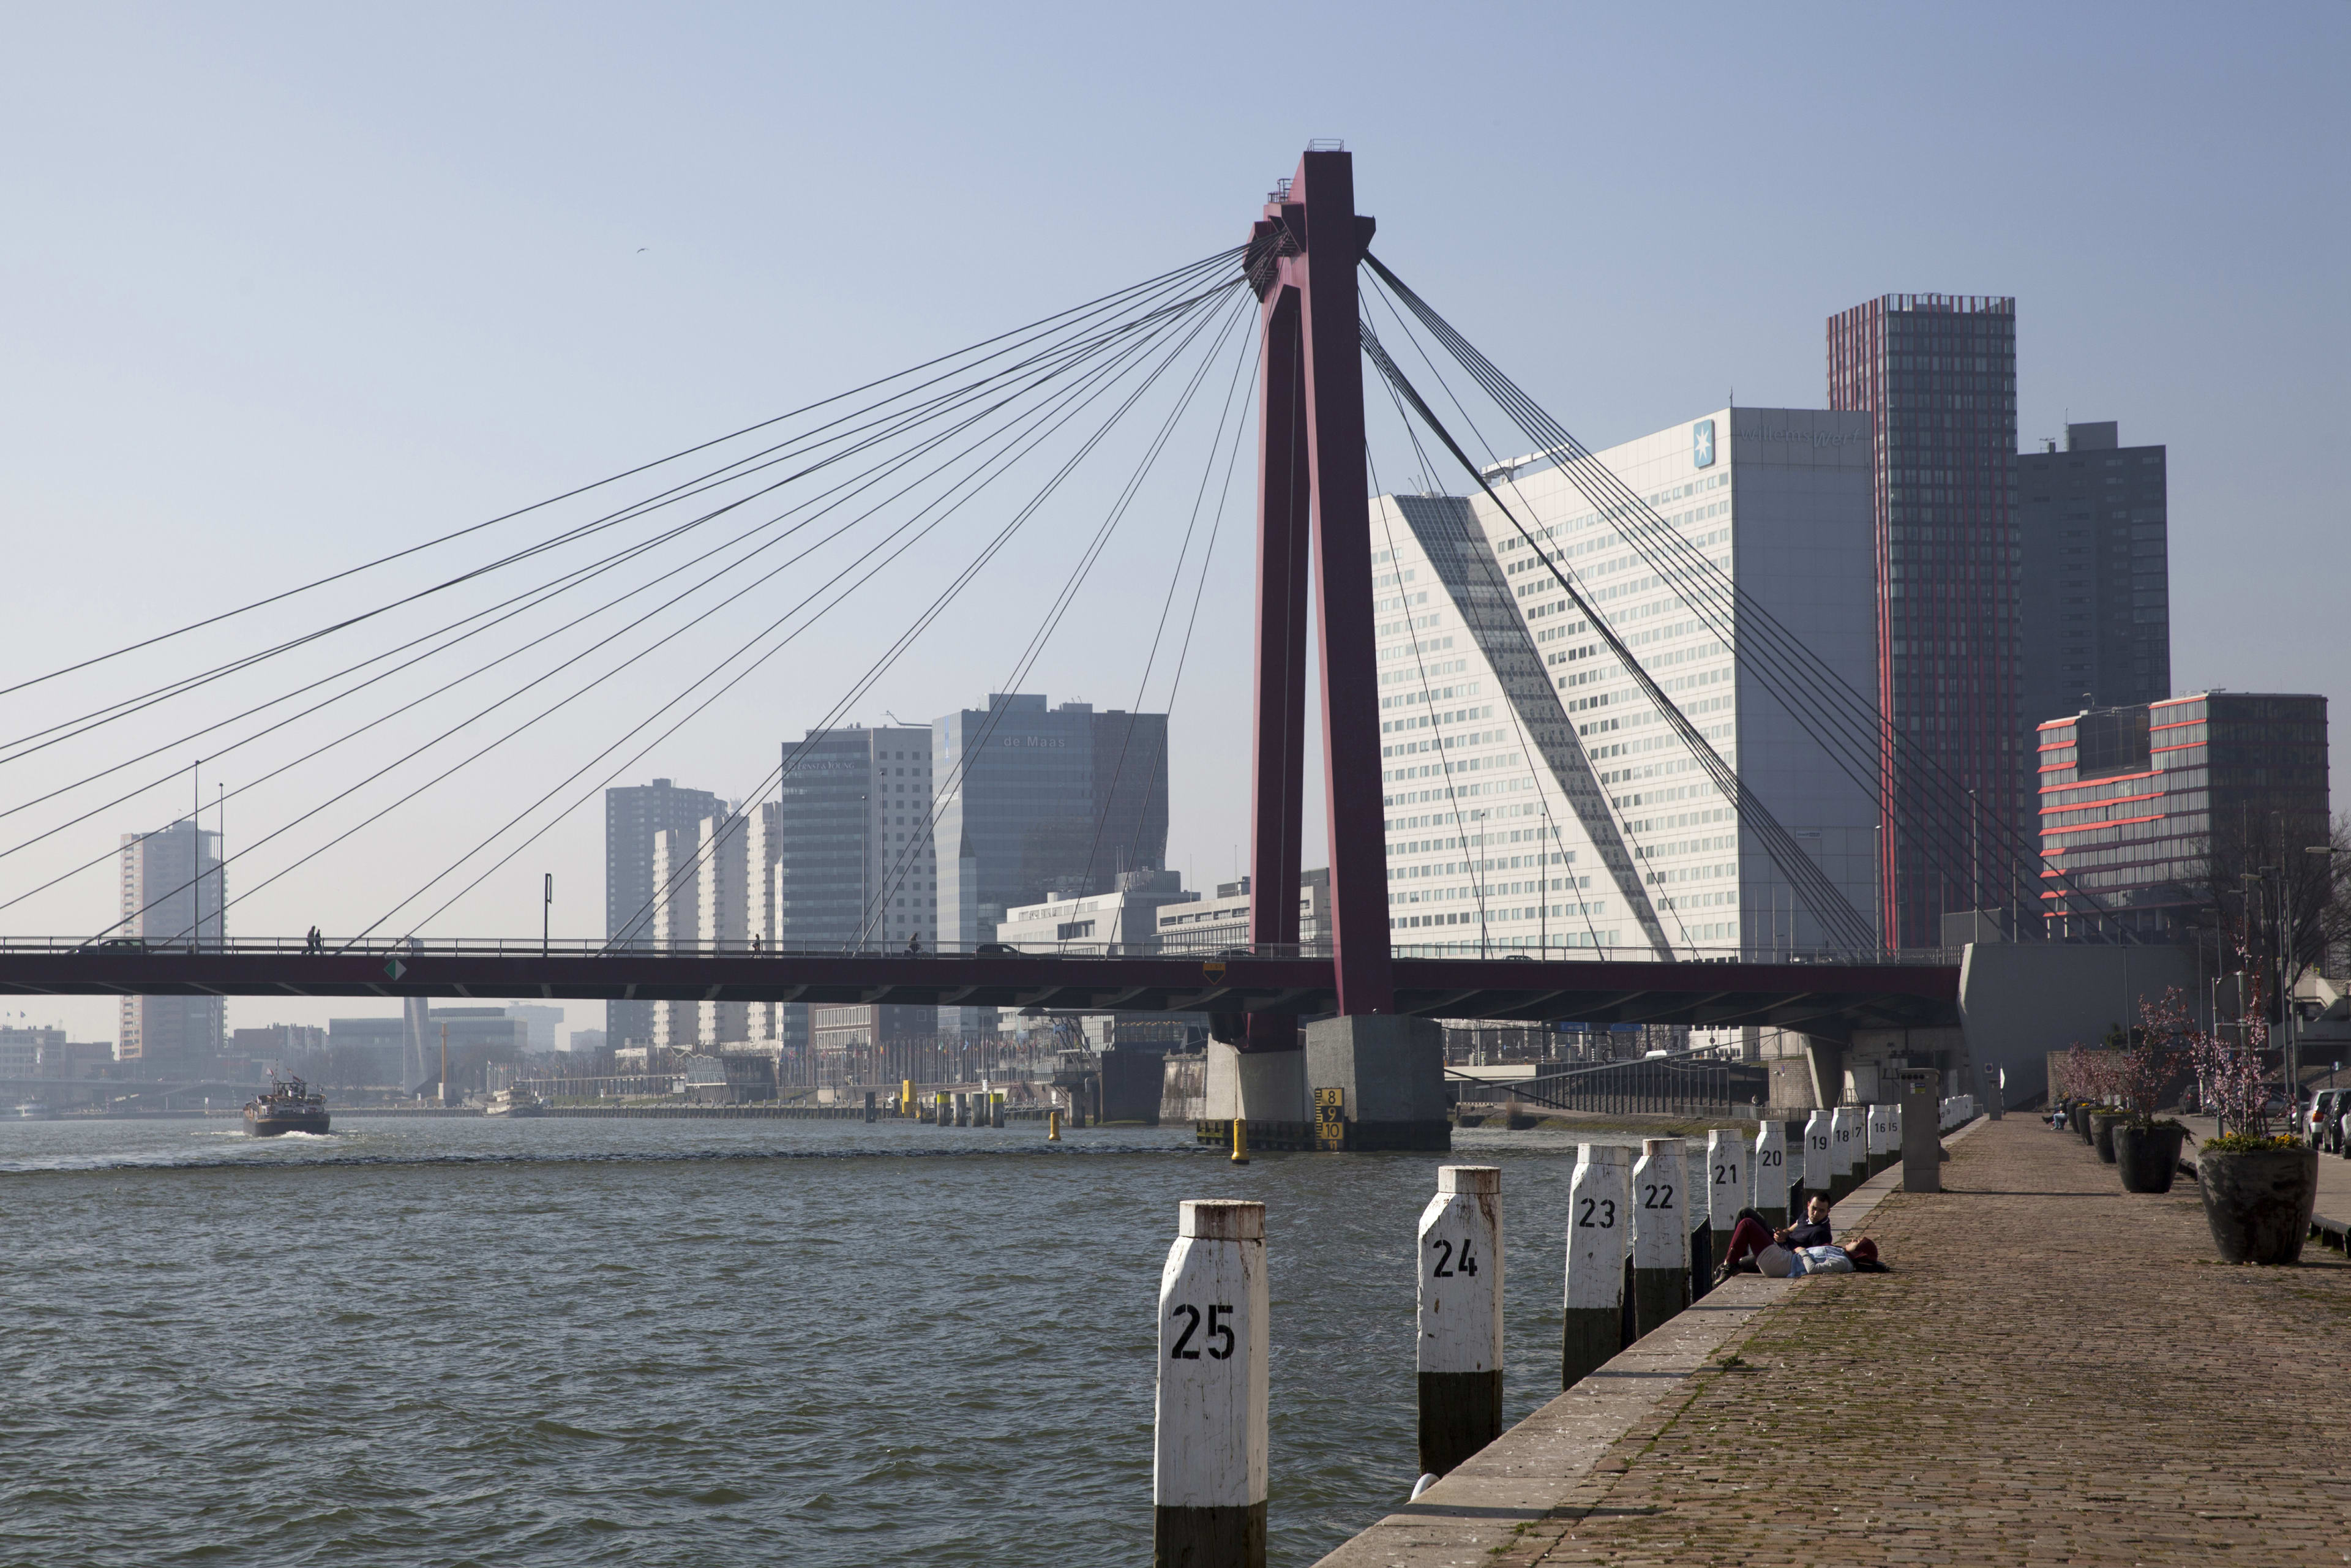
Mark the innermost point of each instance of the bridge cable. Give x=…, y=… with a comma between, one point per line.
x=1219, y=260
x=1128, y=358
x=742, y=467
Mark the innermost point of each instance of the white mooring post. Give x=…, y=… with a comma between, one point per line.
x=1599, y=1220
x=1208, y=1450
x=1660, y=1234
x=1770, y=1179
x=1729, y=1176
x=1460, y=1358
x=1697, y=1214
x=1881, y=1138
x=1816, y=1156
x=1844, y=1151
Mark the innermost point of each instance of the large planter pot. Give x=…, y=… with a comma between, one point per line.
x=2258, y=1203
x=2085, y=1123
x=2104, y=1124
x=2147, y=1159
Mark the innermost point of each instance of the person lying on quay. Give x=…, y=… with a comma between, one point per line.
x=1803, y=1248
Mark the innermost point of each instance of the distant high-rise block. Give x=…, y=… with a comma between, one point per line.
x=851, y=847
x=2151, y=814
x=633, y=817
x=174, y=893
x=2093, y=530
x=1040, y=801
x=1937, y=373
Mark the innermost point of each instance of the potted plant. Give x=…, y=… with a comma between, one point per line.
x=2258, y=1185
x=2147, y=1150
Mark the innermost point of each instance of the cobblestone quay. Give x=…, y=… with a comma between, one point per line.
x=2057, y=1372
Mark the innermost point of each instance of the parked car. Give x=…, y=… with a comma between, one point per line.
x=2325, y=1122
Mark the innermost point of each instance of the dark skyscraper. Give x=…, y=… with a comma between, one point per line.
x=2097, y=585
x=1939, y=374
x=1046, y=800
x=632, y=816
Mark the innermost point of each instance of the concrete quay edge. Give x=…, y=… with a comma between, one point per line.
x=1526, y=1473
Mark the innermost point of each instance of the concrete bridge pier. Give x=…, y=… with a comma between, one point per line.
x=1260, y=1085
x=1390, y=1072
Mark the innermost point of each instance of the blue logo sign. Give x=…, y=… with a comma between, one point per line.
x=1702, y=444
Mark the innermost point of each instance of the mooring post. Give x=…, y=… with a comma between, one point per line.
x=1699, y=1219
x=1845, y=1150
x=1881, y=1137
x=1816, y=1158
x=872, y=1111
x=1461, y=1357
x=1240, y=1140
x=1599, y=1209
x=906, y=1097
x=961, y=1109
x=1729, y=1176
x=1209, y=1450
x=1770, y=1166
x=1660, y=1234
x=996, y=1110
x=1053, y=1124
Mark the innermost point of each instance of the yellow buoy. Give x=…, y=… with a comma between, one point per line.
x=1241, y=1142
x=1053, y=1127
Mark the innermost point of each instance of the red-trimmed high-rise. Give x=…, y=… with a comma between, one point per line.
x=1938, y=373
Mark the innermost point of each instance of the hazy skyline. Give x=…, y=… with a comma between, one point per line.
x=284, y=289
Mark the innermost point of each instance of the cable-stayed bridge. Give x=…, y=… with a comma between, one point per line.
x=814, y=514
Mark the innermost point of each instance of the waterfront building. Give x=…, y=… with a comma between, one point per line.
x=585, y=1040
x=1211, y=924
x=174, y=891
x=21, y=1049
x=851, y=846
x=1037, y=801
x=1536, y=797
x=1936, y=375
x=2154, y=811
x=1124, y=920
x=382, y=1049
x=2092, y=526
x=633, y=817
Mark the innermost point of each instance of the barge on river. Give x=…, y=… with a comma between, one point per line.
x=288, y=1107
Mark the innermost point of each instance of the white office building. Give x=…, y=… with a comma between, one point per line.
x=1536, y=799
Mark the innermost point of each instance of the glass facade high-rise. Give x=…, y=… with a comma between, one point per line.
x=633, y=817
x=2155, y=810
x=2093, y=527
x=1037, y=801
x=174, y=894
x=1937, y=373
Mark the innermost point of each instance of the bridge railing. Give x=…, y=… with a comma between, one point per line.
x=577, y=948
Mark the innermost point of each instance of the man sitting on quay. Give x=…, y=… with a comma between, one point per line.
x=1803, y=1248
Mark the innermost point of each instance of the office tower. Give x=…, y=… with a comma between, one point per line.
x=1536, y=797
x=1040, y=801
x=174, y=890
x=1937, y=375
x=851, y=845
x=632, y=816
x=2152, y=809
x=2092, y=525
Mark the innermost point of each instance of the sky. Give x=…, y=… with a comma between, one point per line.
x=283, y=288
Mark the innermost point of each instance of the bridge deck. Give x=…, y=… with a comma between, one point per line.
x=1823, y=998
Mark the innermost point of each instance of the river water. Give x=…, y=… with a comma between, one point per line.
x=460, y=1341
